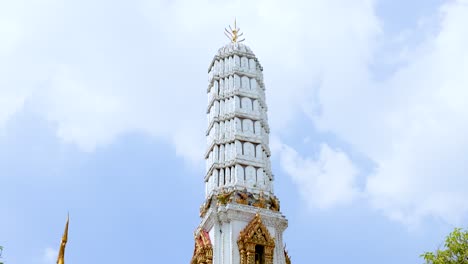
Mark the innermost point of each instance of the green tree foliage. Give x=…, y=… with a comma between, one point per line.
x=1, y=249
x=455, y=251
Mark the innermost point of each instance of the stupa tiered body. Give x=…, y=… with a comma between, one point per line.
x=241, y=219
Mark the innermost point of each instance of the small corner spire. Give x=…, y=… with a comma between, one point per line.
x=63, y=243
x=233, y=33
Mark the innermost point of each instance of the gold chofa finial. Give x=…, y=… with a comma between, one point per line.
x=233, y=34
x=63, y=243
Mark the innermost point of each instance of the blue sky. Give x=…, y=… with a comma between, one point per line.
x=102, y=114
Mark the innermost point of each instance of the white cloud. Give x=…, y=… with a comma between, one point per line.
x=425, y=154
x=103, y=76
x=326, y=181
x=141, y=66
x=104, y=71
x=413, y=124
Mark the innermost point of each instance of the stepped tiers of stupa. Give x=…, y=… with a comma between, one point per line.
x=241, y=219
x=237, y=153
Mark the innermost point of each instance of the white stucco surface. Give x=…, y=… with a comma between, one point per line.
x=237, y=155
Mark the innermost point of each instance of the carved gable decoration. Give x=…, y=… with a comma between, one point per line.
x=255, y=234
x=203, y=252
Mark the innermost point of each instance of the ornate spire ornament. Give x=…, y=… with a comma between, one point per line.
x=63, y=243
x=233, y=34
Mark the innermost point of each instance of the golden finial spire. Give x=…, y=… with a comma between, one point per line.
x=233, y=34
x=63, y=243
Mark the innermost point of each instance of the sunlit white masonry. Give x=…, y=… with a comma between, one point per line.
x=241, y=219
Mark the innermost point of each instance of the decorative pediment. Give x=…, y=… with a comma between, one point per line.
x=203, y=252
x=255, y=236
x=256, y=232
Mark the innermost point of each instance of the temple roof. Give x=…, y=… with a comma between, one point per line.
x=231, y=49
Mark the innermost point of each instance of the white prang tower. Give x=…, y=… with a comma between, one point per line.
x=241, y=219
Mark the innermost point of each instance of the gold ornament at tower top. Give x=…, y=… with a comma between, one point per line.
x=63, y=243
x=233, y=34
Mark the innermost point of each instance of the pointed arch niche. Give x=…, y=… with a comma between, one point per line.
x=255, y=243
x=203, y=253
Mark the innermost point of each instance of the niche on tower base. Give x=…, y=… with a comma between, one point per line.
x=255, y=243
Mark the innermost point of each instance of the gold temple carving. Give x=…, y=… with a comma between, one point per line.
x=203, y=252
x=255, y=243
x=63, y=243
x=234, y=33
